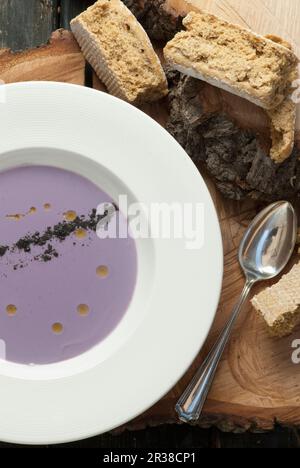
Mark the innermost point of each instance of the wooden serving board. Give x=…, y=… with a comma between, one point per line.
x=256, y=384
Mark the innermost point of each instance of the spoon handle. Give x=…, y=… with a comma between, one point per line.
x=190, y=404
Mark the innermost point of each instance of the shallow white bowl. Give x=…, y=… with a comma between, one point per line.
x=123, y=151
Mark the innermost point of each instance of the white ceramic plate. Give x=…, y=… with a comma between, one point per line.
x=124, y=151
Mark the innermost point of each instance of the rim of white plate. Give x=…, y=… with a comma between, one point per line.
x=157, y=347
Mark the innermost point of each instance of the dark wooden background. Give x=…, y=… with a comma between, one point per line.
x=29, y=23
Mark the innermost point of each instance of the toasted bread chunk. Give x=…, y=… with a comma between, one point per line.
x=283, y=117
x=280, y=304
x=119, y=50
x=283, y=124
x=232, y=58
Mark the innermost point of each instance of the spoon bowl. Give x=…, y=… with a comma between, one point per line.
x=269, y=242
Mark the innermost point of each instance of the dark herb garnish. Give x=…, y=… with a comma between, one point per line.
x=58, y=232
x=3, y=250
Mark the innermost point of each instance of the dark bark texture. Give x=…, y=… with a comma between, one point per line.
x=159, y=24
x=232, y=155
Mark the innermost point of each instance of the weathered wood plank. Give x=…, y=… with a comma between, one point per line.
x=71, y=8
x=60, y=60
x=25, y=24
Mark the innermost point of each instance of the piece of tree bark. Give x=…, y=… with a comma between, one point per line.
x=159, y=23
x=236, y=157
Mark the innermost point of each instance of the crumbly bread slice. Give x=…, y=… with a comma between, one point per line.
x=119, y=50
x=283, y=125
x=283, y=117
x=232, y=58
x=280, y=304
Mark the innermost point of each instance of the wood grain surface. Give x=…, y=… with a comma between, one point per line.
x=256, y=384
x=61, y=60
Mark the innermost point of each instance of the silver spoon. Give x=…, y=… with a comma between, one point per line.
x=265, y=250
